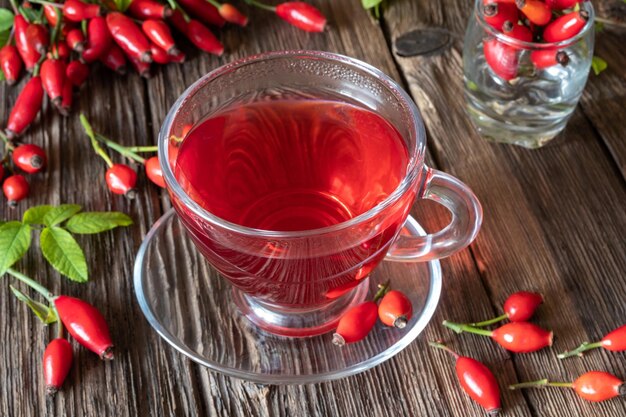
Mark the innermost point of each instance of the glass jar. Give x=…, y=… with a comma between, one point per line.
x=514, y=91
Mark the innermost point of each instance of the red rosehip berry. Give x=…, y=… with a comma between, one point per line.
x=15, y=188
x=395, y=309
x=356, y=323
x=476, y=380
x=121, y=179
x=57, y=361
x=595, y=386
x=29, y=158
x=154, y=172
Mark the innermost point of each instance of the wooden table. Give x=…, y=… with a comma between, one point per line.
x=554, y=221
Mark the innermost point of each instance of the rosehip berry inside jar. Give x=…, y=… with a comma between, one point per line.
x=521, y=92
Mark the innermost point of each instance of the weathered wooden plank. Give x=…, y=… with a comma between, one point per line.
x=549, y=214
x=385, y=390
x=604, y=99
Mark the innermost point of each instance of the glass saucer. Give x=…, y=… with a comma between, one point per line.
x=191, y=307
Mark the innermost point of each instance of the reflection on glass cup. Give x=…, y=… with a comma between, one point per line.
x=294, y=173
x=514, y=94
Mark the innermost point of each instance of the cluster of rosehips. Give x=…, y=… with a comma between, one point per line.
x=83, y=322
x=548, y=21
x=121, y=178
x=519, y=336
x=24, y=158
x=57, y=41
x=394, y=310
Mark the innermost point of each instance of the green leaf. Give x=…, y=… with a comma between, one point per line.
x=368, y=4
x=14, y=242
x=30, y=14
x=122, y=5
x=42, y=311
x=35, y=215
x=598, y=64
x=96, y=222
x=4, y=37
x=60, y=214
x=63, y=253
x=6, y=19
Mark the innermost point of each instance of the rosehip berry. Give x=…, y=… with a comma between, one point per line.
x=395, y=309
x=121, y=179
x=535, y=10
x=29, y=158
x=501, y=58
x=57, y=361
x=15, y=188
x=521, y=306
x=356, y=323
x=154, y=172
x=77, y=72
x=476, y=380
x=517, y=31
x=566, y=26
x=518, y=337
x=86, y=324
x=231, y=14
x=614, y=341
x=497, y=13
x=548, y=58
x=593, y=386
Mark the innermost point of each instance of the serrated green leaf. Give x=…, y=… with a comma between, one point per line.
x=35, y=215
x=42, y=311
x=598, y=64
x=60, y=214
x=64, y=254
x=96, y=222
x=6, y=19
x=368, y=4
x=14, y=242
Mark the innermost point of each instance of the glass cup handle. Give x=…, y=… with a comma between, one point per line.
x=467, y=215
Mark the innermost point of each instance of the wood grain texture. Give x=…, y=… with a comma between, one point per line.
x=549, y=215
x=554, y=221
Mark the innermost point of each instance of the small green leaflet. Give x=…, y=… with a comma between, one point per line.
x=30, y=14
x=63, y=253
x=35, y=215
x=14, y=242
x=60, y=214
x=122, y=5
x=6, y=20
x=96, y=222
x=598, y=64
x=4, y=37
x=42, y=311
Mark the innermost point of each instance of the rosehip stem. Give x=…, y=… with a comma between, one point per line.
x=47, y=3
x=490, y=321
x=441, y=346
x=460, y=328
x=540, y=384
x=585, y=346
x=142, y=148
x=382, y=290
x=94, y=142
x=260, y=5
x=121, y=149
x=33, y=284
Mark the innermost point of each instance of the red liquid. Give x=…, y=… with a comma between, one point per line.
x=292, y=166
